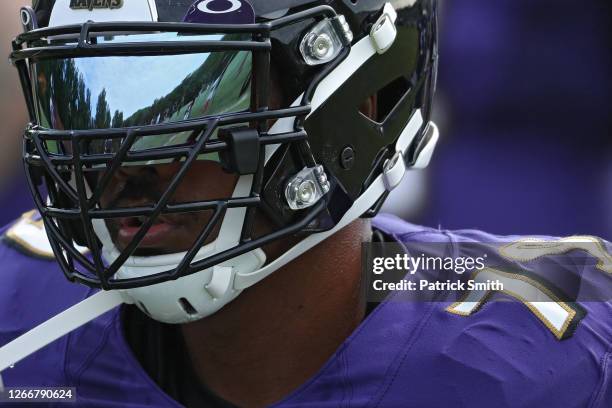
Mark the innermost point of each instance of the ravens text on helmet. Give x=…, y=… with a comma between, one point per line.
x=95, y=4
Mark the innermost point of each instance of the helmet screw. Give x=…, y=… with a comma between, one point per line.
x=25, y=18
x=347, y=158
x=306, y=191
x=307, y=188
x=320, y=46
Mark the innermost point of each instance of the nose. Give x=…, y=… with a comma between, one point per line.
x=132, y=186
x=136, y=172
x=159, y=173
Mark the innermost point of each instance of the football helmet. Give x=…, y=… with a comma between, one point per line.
x=111, y=84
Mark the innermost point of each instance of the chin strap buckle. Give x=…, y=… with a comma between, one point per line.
x=426, y=148
x=221, y=282
x=395, y=168
x=384, y=32
x=394, y=171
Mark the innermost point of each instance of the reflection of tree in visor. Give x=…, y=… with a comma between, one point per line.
x=128, y=91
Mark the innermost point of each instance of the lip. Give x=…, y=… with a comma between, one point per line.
x=156, y=236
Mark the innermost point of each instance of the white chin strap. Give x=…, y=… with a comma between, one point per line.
x=203, y=293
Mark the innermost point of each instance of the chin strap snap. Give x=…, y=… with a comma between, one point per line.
x=427, y=147
x=395, y=168
x=394, y=171
x=221, y=282
x=384, y=31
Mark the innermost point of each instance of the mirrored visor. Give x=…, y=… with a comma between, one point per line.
x=123, y=91
x=104, y=92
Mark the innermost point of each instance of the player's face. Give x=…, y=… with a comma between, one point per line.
x=142, y=186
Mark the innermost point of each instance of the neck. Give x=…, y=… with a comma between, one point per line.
x=279, y=333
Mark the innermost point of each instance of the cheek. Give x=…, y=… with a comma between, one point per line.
x=205, y=181
x=114, y=187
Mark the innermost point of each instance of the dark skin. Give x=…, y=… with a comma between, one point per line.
x=280, y=332
x=138, y=186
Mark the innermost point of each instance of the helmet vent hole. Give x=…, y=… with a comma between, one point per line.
x=389, y=97
x=187, y=307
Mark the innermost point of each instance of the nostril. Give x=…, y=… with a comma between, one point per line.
x=137, y=171
x=134, y=222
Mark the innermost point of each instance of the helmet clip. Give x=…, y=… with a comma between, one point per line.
x=383, y=31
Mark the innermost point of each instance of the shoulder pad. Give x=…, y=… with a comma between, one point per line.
x=28, y=235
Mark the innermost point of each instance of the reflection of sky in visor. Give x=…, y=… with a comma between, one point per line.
x=156, y=76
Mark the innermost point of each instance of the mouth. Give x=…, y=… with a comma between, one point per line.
x=156, y=237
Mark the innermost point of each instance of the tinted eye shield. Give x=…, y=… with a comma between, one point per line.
x=59, y=151
x=118, y=85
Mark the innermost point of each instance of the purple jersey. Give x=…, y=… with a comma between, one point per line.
x=404, y=354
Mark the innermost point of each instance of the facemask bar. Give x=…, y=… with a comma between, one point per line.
x=35, y=155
